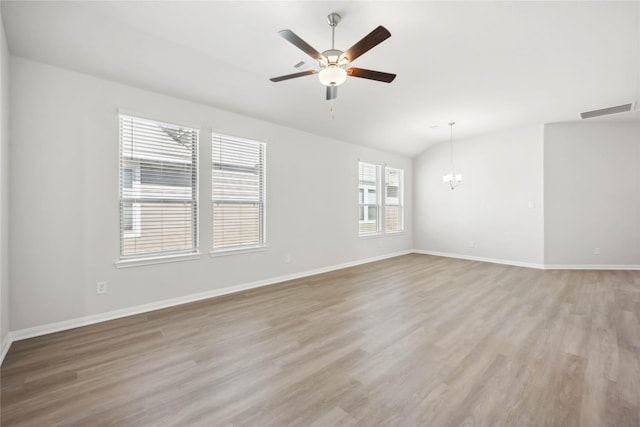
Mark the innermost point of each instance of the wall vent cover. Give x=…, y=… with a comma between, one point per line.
x=605, y=111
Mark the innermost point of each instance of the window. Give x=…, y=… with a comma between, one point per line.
x=369, y=199
x=158, y=188
x=238, y=188
x=393, y=203
x=369, y=202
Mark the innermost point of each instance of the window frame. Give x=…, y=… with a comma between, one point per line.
x=400, y=198
x=381, y=187
x=136, y=201
x=364, y=205
x=260, y=202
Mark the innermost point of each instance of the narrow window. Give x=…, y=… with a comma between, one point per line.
x=158, y=188
x=238, y=192
x=369, y=199
x=393, y=200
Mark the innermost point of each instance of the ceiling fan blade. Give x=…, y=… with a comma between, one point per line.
x=368, y=42
x=371, y=75
x=293, y=76
x=332, y=92
x=291, y=37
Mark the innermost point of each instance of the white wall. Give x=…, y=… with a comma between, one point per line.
x=64, y=199
x=502, y=173
x=4, y=188
x=592, y=194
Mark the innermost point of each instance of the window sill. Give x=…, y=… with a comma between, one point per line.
x=370, y=236
x=391, y=233
x=136, y=262
x=235, y=251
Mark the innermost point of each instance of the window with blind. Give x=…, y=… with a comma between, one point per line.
x=158, y=188
x=393, y=200
x=368, y=198
x=238, y=191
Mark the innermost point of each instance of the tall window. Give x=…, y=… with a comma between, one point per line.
x=393, y=200
x=158, y=188
x=380, y=211
x=369, y=199
x=238, y=189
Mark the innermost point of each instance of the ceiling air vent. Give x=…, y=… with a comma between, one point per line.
x=302, y=66
x=605, y=111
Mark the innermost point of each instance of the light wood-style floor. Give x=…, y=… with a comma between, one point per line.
x=410, y=341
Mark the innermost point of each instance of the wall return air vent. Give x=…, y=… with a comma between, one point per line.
x=624, y=108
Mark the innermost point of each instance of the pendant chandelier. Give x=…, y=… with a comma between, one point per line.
x=451, y=178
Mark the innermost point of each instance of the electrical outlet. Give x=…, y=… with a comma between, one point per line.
x=596, y=251
x=472, y=244
x=287, y=258
x=101, y=288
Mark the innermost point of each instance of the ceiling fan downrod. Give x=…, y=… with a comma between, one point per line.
x=333, y=19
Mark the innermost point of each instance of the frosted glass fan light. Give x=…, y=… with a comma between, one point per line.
x=332, y=75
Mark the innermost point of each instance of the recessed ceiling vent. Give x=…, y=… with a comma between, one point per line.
x=624, y=108
x=302, y=66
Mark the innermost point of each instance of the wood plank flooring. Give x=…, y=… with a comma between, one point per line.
x=415, y=340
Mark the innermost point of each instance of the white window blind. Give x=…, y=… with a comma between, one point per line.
x=368, y=198
x=158, y=188
x=238, y=189
x=393, y=200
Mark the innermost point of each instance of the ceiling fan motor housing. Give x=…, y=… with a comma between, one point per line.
x=333, y=57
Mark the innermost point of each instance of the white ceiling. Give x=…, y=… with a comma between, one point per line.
x=484, y=65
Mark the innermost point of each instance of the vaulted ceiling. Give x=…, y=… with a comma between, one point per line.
x=484, y=65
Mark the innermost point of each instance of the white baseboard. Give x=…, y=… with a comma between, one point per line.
x=591, y=267
x=532, y=265
x=483, y=259
x=4, y=346
x=144, y=308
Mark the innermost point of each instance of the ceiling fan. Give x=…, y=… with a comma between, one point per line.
x=333, y=63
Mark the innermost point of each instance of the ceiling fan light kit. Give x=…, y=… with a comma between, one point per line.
x=333, y=63
x=332, y=75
